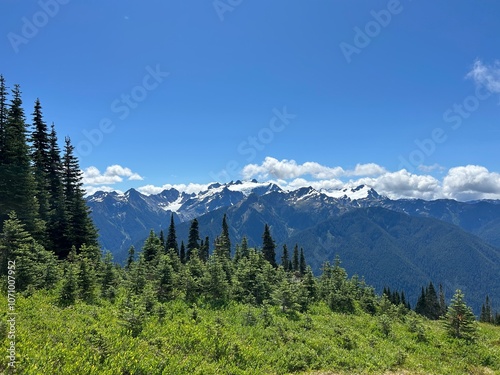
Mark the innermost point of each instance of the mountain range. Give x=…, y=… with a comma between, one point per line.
x=403, y=243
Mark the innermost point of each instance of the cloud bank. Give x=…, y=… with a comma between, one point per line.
x=463, y=183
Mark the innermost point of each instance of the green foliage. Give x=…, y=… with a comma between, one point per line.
x=123, y=338
x=459, y=321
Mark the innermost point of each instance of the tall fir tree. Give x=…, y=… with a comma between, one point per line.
x=81, y=228
x=171, y=245
x=460, y=321
x=285, y=258
x=244, y=247
x=40, y=155
x=194, y=237
x=486, y=312
x=295, y=258
x=302, y=262
x=57, y=226
x=182, y=253
x=268, y=247
x=17, y=189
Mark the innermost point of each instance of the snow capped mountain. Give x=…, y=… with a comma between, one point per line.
x=119, y=215
x=353, y=193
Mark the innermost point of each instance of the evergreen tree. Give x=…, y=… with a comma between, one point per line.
x=69, y=291
x=268, y=247
x=87, y=282
x=81, y=227
x=182, y=253
x=40, y=155
x=222, y=242
x=421, y=307
x=215, y=281
x=109, y=278
x=171, y=245
x=17, y=187
x=152, y=247
x=131, y=256
x=162, y=239
x=302, y=262
x=244, y=247
x=57, y=226
x=285, y=260
x=433, y=307
x=205, y=249
x=35, y=266
x=442, y=301
x=486, y=313
x=194, y=237
x=165, y=280
x=459, y=321
x=295, y=258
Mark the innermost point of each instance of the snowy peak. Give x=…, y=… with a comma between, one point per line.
x=353, y=193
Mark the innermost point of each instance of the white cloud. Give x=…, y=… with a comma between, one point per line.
x=486, y=75
x=287, y=169
x=369, y=169
x=112, y=175
x=471, y=182
x=403, y=184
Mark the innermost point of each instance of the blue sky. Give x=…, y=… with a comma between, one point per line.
x=176, y=92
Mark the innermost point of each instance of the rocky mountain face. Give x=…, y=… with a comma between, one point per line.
x=399, y=243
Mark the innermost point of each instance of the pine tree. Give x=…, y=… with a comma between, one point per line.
x=87, y=281
x=421, y=307
x=131, y=256
x=17, y=189
x=40, y=155
x=69, y=291
x=442, y=301
x=302, y=262
x=162, y=239
x=81, y=228
x=268, y=247
x=433, y=307
x=109, y=278
x=152, y=247
x=222, y=242
x=459, y=321
x=194, y=237
x=57, y=226
x=182, y=253
x=486, y=313
x=244, y=248
x=165, y=280
x=285, y=261
x=171, y=245
x=205, y=249
x=295, y=258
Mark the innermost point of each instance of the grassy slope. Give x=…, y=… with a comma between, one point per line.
x=86, y=339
